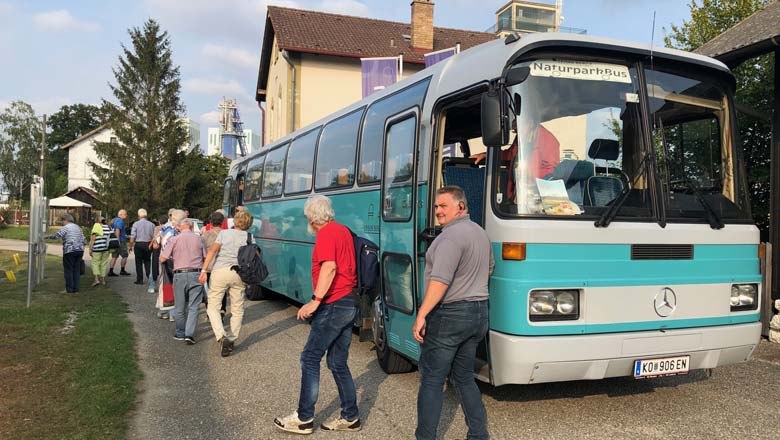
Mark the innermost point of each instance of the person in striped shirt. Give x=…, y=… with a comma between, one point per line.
x=72, y=251
x=98, y=250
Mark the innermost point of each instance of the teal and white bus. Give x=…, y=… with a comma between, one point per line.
x=613, y=192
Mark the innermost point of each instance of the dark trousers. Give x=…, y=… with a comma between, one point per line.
x=155, y=264
x=452, y=333
x=143, y=257
x=71, y=264
x=331, y=333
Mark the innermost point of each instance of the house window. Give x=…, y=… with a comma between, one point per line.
x=113, y=139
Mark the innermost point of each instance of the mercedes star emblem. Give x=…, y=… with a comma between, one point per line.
x=665, y=302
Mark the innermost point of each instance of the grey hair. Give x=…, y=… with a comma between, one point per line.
x=170, y=211
x=68, y=218
x=318, y=209
x=142, y=213
x=120, y=212
x=185, y=221
x=177, y=216
x=457, y=194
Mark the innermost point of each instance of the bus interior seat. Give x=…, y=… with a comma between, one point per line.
x=574, y=174
x=600, y=190
x=464, y=173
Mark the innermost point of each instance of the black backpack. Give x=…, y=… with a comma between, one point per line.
x=367, y=262
x=250, y=265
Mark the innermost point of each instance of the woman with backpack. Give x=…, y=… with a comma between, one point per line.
x=224, y=254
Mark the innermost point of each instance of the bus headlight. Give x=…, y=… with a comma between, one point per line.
x=553, y=305
x=744, y=297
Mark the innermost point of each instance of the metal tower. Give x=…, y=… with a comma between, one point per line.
x=233, y=142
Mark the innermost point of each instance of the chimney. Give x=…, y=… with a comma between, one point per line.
x=422, y=24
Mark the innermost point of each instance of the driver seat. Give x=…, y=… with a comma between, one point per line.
x=600, y=190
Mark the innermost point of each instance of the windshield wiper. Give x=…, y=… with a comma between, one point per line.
x=712, y=216
x=609, y=215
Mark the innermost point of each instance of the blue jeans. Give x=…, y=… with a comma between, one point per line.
x=331, y=332
x=71, y=264
x=452, y=333
x=187, y=296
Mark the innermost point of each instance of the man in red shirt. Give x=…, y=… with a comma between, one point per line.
x=333, y=309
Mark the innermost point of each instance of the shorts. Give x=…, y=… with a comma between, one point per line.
x=121, y=251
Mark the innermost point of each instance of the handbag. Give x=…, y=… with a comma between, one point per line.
x=113, y=241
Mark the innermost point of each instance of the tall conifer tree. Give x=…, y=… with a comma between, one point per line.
x=141, y=166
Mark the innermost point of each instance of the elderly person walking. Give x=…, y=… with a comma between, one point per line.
x=224, y=254
x=72, y=251
x=141, y=236
x=118, y=225
x=98, y=250
x=187, y=253
x=209, y=237
x=333, y=307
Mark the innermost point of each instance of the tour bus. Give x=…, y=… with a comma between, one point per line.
x=607, y=175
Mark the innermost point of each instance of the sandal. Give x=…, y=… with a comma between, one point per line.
x=96, y=283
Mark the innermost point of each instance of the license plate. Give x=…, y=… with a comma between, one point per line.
x=661, y=367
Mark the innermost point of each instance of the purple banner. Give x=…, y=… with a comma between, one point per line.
x=433, y=58
x=378, y=73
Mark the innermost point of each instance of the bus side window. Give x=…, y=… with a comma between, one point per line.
x=374, y=126
x=273, y=172
x=300, y=163
x=253, y=179
x=336, y=152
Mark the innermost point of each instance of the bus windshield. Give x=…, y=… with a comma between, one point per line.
x=576, y=145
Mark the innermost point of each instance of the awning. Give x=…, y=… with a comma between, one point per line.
x=67, y=202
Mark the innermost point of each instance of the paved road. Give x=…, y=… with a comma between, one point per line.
x=190, y=392
x=21, y=246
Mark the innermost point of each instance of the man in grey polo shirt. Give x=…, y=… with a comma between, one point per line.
x=140, y=236
x=453, y=318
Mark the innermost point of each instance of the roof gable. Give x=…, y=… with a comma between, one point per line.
x=751, y=37
x=298, y=30
x=84, y=136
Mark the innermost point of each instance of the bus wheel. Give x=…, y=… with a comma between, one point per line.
x=390, y=361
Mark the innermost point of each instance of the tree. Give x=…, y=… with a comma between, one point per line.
x=203, y=194
x=144, y=167
x=754, y=77
x=20, y=141
x=68, y=123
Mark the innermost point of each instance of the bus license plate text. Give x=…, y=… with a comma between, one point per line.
x=661, y=367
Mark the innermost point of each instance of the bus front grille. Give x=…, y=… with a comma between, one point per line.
x=662, y=252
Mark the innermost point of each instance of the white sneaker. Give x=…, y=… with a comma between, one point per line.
x=340, y=424
x=295, y=425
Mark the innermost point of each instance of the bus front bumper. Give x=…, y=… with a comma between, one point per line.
x=539, y=359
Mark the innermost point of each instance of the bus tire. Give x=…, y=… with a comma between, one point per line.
x=390, y=361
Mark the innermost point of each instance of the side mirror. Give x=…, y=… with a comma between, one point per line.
x=494, y=133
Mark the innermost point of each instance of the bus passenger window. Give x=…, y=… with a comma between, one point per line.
x=273, y=172
x=336, y=152
x=300, y=161
x=253, y=177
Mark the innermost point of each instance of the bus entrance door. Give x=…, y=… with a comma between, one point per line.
x=397, y=233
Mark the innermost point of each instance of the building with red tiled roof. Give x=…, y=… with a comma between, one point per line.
x=310, y=62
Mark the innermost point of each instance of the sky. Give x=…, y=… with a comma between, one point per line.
x=58, y=52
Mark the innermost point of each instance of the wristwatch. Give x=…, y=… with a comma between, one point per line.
x=316, y=298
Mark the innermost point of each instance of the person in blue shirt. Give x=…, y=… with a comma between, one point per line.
x=118, y=228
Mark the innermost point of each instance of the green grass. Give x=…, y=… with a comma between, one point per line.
x=58, y=385
x=21, y=232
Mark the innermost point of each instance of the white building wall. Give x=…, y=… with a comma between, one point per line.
x=252, y=140
x=193, y=135
x=214, y=141
x=79, y=157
